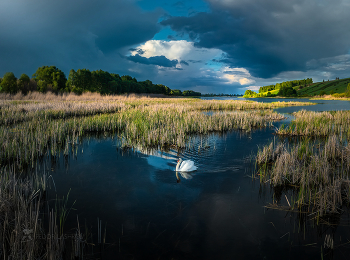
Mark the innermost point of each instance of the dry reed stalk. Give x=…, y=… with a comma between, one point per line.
x=310, y=123
x=318, y=172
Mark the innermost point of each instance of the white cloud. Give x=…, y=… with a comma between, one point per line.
x=254, y=88
x=240, y=75
x=176, y=50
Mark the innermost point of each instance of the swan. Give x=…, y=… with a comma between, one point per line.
x=185, y=166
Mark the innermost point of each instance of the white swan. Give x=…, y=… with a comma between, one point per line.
x=185, y=166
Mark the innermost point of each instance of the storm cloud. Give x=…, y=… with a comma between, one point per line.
x=155, y=60
x=71, y=34
x=272, y=36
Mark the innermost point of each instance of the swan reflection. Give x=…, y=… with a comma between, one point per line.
x=184, y=175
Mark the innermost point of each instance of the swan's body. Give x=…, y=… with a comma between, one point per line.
x=185, y=166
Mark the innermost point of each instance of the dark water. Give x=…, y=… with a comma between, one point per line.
x=216, y=212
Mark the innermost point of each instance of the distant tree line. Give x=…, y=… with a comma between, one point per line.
x=286, y=84
x=50, y=78
x=285, y=89
x=221, y=95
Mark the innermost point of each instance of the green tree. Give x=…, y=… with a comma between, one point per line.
x=176, y=92
x=70, y=81
x=50, y=78
x=348, y=87
x=100, y=81
x=9, y=83
x=80, y=81
x=249, y=93
x=287, y=91
x=23, y=83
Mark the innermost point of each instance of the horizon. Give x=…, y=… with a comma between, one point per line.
x=212, y=46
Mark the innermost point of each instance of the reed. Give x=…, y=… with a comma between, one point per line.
x=14, y=112
x=22, y=232
x=309, y=123
x=39, y=125
x=317, y=172
x=30, y=130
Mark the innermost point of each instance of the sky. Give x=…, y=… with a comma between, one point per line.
x=210, y=46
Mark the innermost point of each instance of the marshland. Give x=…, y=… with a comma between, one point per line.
x=90, y=176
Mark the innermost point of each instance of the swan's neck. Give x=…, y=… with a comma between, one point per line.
x=178, y=165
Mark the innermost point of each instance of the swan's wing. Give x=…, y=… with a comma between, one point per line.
x=187, y=166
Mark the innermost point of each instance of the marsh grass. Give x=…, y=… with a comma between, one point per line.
x=320, y=124
x=30, y=130
x=316, y=171
x=22, y=233
x=37, y=125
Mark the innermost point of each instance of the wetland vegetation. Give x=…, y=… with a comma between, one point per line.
x=307, y=164
x=39, y=125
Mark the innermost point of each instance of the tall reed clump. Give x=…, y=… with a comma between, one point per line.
x=317, y=172
x=22, y=232
x=309, y=123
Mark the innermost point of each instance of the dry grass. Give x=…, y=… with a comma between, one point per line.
x=87, y=96
x=318, y=172
x=32, y=129
x=37, y=125
x=309, y=123
x=22, y=232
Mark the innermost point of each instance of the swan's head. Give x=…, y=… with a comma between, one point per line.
x=180, y=160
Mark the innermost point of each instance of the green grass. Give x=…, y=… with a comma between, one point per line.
x=318, y=124
x=328, y=87
x=337, y=86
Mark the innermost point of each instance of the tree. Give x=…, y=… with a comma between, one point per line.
x=9, y=83
x=176, y=92
x=287, y=92
x=50, y=78
x=70, y=81
x=249, y=93
x=23, y=83
x=348, y=87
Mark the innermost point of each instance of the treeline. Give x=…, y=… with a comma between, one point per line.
x=286, y=84
x=285, y=89
x=282, y=92
x=221, y=95
x=50, y=78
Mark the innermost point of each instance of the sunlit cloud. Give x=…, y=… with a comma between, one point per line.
x=176, y=50
x=240, y=75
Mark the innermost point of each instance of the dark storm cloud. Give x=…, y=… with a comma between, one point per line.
x=155, y=60
x=272, y=36
x=71, y=34
x=184, y=62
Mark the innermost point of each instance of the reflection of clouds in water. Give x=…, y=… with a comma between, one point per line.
x=160, y=163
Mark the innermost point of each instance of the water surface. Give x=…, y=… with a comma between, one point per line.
x=216, y=212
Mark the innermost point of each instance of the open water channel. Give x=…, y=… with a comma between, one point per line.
x=216, y=212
